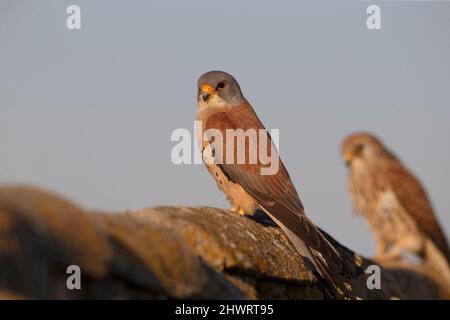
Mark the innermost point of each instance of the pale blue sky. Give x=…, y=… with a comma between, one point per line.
x=89, y=113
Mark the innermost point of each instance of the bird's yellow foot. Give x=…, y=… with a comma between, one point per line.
x=239, y=210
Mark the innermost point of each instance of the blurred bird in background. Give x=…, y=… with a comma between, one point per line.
x=394, y=204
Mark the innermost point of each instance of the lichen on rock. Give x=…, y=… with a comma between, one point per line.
x=168, y=252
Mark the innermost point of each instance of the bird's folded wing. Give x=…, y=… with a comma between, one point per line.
x=414, y=200
x=276, y=193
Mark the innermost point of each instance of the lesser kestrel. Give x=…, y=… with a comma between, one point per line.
x=223, y=107
x=393, y=202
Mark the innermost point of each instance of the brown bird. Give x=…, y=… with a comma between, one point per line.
x=393, y=201
x=223, y=109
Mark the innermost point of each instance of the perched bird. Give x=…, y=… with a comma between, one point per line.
x=393, y=202
x=222, y=107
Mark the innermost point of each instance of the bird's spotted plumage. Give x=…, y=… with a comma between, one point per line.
x=391, y=199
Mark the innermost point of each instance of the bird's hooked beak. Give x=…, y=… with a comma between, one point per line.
x=206, y=91
x=348, y=158
x=205, y=96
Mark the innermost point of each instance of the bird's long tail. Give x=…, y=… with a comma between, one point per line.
x=317, y=259
x=328, y=268
x=437, y=261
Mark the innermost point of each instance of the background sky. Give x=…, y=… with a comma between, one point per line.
x=89, y=113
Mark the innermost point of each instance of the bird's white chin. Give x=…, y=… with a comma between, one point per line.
x=214, y=101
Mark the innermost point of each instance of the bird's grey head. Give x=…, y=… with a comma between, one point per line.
x=218, y=88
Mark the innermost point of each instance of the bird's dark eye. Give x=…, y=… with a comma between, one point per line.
x=359, y=148
x=220, y=85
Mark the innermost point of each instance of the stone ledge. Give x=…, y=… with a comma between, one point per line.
x=168, y=252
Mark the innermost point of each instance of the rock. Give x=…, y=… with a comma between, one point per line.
x=169, y=252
